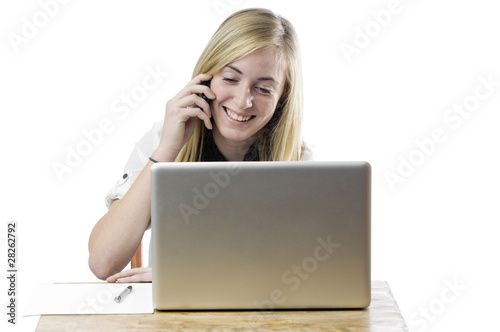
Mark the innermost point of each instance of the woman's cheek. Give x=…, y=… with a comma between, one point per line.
x=217, y=87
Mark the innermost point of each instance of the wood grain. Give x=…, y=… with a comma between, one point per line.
x=136, y=261
x=383, y=315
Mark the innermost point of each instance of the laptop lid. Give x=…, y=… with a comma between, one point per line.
x=260, y=235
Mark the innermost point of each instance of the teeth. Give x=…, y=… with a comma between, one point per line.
x=237, y=117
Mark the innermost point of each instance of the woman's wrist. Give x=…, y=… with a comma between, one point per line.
x=163, y=155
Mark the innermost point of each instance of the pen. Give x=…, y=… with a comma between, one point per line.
x=124, y=293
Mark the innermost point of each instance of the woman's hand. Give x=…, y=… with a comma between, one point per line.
x=142, y=274
x=182, y=112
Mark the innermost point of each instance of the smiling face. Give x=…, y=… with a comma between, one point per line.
x=248, y=91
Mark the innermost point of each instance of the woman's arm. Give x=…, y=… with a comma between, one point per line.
x=117, y=235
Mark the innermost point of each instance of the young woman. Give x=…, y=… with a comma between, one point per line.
x=250, y=72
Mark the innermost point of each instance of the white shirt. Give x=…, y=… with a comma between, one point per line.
x=139, y=157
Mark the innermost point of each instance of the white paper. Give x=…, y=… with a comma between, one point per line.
x=89, y=298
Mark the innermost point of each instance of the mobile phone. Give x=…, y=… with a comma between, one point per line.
x=202, y=95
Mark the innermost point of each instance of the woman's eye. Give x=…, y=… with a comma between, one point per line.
x=264, y=91
x=230, y=80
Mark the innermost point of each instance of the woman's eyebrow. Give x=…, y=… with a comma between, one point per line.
x=267, y=78
x=235, y=69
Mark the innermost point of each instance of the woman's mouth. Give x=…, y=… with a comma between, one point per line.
x=237, y=117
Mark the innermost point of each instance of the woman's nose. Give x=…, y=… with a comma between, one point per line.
x=243, y=97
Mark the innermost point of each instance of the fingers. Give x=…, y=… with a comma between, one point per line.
x=201, y=78
x=128, y=274
x=190, y=98
x=144, y=277
x=182, y=111
x=192, y=112
x=132, y=275
x=195, y=101
x=196, y=86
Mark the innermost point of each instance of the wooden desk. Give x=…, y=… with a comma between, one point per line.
x=382, y=316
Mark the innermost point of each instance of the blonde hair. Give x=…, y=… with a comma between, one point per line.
x=243, y=33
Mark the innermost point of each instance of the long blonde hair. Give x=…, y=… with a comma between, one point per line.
x=243, y=33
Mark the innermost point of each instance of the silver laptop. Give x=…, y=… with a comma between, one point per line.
x=260, y=235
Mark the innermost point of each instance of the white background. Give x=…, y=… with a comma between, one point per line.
x=434, y=229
